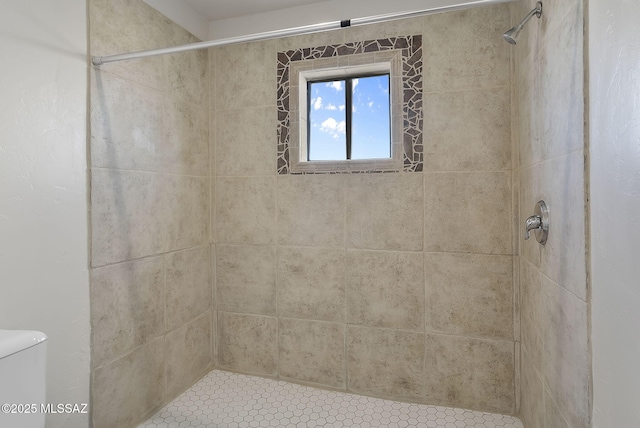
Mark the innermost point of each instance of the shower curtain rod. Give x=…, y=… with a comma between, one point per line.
x=309, y=29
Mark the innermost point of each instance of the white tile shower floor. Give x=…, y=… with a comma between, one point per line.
x=223, y=399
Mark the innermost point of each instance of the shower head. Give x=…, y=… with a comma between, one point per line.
x=512, y=35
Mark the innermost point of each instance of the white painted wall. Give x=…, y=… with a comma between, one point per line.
x=614, y=51
x=43, y=189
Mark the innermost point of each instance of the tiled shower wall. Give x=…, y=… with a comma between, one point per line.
x=396, y=285
x=151, y=295
x=549, y=139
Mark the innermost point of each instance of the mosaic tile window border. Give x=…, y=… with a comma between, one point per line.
x=411, y=58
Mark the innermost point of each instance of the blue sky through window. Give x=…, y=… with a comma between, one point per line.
x=370, y=119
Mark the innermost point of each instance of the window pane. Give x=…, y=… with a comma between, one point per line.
x=327, y=121
x=371, y=130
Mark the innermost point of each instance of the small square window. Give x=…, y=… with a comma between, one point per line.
x=349, y=118
x=397, y=58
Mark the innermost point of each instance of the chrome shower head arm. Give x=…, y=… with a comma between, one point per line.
x=511, y=35
x=537, y=11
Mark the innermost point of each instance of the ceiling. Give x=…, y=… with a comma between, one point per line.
x=219, y=19
x=215, y=10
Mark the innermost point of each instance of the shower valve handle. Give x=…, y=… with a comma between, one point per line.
x=532, y=223
x=539, y=222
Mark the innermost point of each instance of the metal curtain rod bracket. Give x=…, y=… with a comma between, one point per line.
x=100, y=60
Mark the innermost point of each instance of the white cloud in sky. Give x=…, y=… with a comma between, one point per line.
x=370, y=103
x=354, y=83
x=317, y=104
x=341, y=107
x=331, y=107
x=333, y=127
x=337, y=85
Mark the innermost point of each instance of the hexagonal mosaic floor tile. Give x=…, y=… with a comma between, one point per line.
x=230, y=400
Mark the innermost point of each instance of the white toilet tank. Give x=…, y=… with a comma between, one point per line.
x=22, y=378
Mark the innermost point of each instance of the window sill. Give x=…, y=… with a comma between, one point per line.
x=357, y=165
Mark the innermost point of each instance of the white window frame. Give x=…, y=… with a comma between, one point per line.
x=327, y=68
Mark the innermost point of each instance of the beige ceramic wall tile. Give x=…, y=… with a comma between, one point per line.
x=122, y=26
x=385, y=211
x=565, y=363
x=557, y=13
x=187, y=77
x=312, y=351
x=133, y=384
x=245, y=211
x=554, y=322
x=532, y=313
x=135, y=214
x=463, y=50
x=311, y=283
x=530, y=194
x=385, y=289
x=517, y=303
x=188, y=355
x=248, y=343
x=311, y=210
x=213, y=252
x=134, y=127
x=244, y=75
x=188, y=285
x=562, y=92
x=517, y=356
x=246, y=279
x=393, y=28
x=148, y=72
x=127, y=24
x=470, y=373
x=531, y=402
x=563, y=256
x=528, y=130
x=529, y=39
x=214, y=339
x=246, y=141
x=469, y=294
x=552, y=414
x=515, y=215
x=214, y=307
x=213, y=226
x=186, y=137
x=387, y=363
x=180, y=35
x=185, y=200
x=213, y=93
x=126, y=124
x=514, y=116
x=213, y=141
x=127, y=307
x=325, y=38
x=454, y=203
x=468, y=130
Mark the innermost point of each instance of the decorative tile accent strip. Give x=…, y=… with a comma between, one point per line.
x=411, y=48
